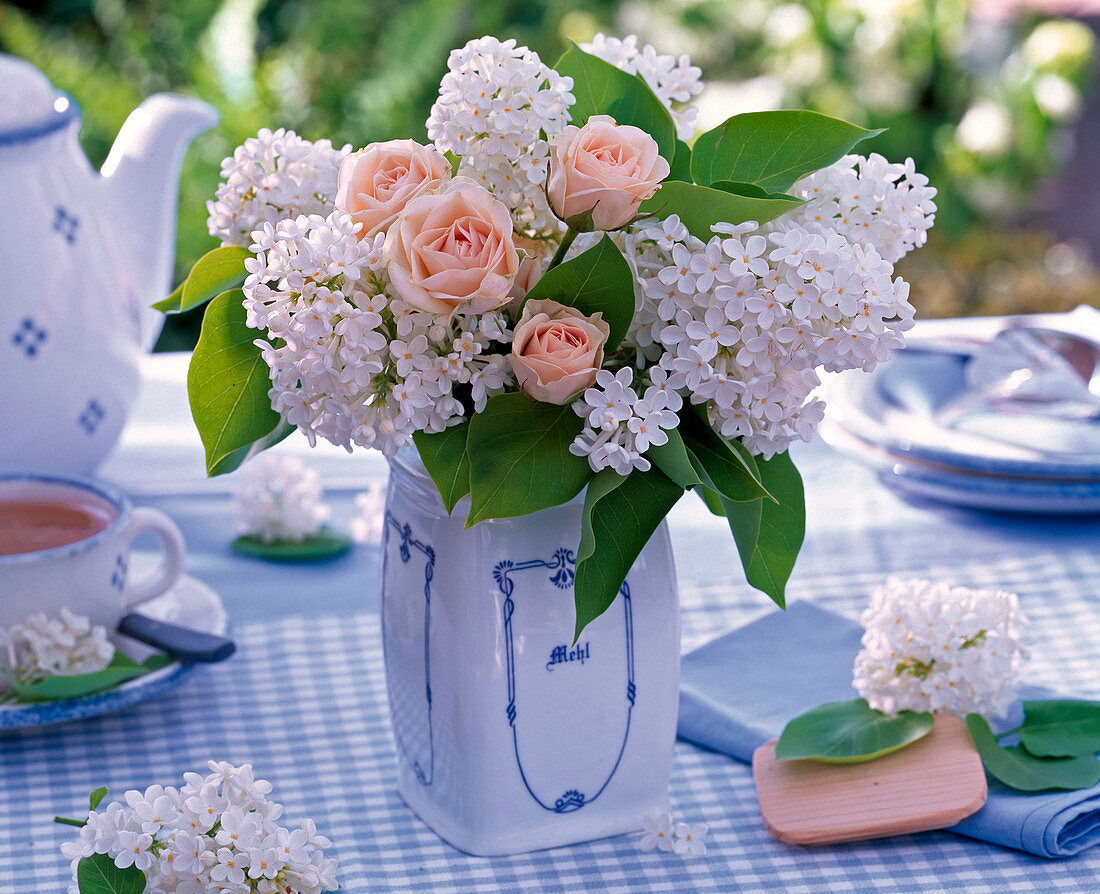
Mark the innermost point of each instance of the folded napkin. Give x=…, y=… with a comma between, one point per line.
x=739, y=690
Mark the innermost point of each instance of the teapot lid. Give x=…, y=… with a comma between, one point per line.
x=32, y=106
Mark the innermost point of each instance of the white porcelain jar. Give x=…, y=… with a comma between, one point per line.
x=509, y=737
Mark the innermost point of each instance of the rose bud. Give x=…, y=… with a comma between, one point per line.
x=453, y=251
x=601, y=173
x=556, y=350
x=377, y=182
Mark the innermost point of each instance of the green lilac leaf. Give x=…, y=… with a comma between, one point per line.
x=849, y=732
x=601, y=484
x=672, y=459
x=1018, y=769
x=711, y=500
x=98, y=874
x=700, y=207
x=772, y=150
x=769, y=532
x=444, y=456
x=752, y=191
x=326, y=544
x=171, y=304
x=724, y=466
x=602, y=89
x=96, y=796
x=597, y=281
x=520, y=460
x=215, y=272
x=1061, y=727
x=227, y=385
x=680, y=166
x=622, y=523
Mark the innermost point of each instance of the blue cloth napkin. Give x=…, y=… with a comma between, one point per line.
x=739, y=690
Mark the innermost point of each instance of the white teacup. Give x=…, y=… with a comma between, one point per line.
x=88, y=576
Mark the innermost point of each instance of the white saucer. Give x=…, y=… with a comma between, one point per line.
x=189, y=603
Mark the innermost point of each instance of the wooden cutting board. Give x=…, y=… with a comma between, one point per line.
x=931, y=784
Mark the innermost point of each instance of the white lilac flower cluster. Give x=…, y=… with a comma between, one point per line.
x=932, y=647
x=497, y=105
x=272, y=176
x=674, y=81
x=348, y=362
x=619, y=425
x=277, y=499
x=661, y=833
x=42, y=646
x=743, y=322
x=216, y=833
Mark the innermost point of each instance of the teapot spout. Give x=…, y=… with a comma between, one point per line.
x=141, y=176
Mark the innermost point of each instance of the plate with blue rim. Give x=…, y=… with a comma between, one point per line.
x=892, y=410
x=189, y=603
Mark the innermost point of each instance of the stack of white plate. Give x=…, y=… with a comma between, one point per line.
x=1011, y=457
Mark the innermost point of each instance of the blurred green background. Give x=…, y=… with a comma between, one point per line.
x=988, y=106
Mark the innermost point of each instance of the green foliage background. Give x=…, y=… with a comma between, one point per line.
x=362, y=70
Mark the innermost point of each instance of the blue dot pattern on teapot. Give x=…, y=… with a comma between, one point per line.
x=92, y=416
x=65, y=224
x=29, y=337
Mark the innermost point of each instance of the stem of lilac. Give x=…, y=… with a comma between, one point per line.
x=566, y=241
x=66, y=821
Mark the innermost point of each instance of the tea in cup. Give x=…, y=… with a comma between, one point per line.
x=65, y=543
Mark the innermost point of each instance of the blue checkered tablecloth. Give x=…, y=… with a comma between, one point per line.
x=304, y=699
x=304, y=702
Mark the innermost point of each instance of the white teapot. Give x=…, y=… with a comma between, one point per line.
x=83, y=255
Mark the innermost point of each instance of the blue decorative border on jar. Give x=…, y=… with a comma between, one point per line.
x=561, y=567
x=408, y=542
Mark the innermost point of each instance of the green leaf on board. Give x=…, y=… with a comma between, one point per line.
x=598, y=280
x=444, y=456
x=98, y=874
x=326, y=544
x=96, y=796
x=622, y=521
x=66, y=686
x=700, y=207
x=215, y=272
x=602, y=89
x=672, y=459
x=772, y=149
x=680, y=166
x=849, y=732
x=769, y=533
x=227, y=385
x=1060, y=727
x=1018, y=769
x=171, y=304
x=519, y=458
x=600, y=485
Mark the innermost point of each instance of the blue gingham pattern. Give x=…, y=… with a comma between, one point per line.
x=304, y=702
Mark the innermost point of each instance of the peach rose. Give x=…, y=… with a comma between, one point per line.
x=605, y=169
x=452, y=250
x=556, y=350
x=377, y=182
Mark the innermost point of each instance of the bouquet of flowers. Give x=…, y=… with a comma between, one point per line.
x=559, y=295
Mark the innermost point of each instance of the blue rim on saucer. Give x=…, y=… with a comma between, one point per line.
x=128, y=694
